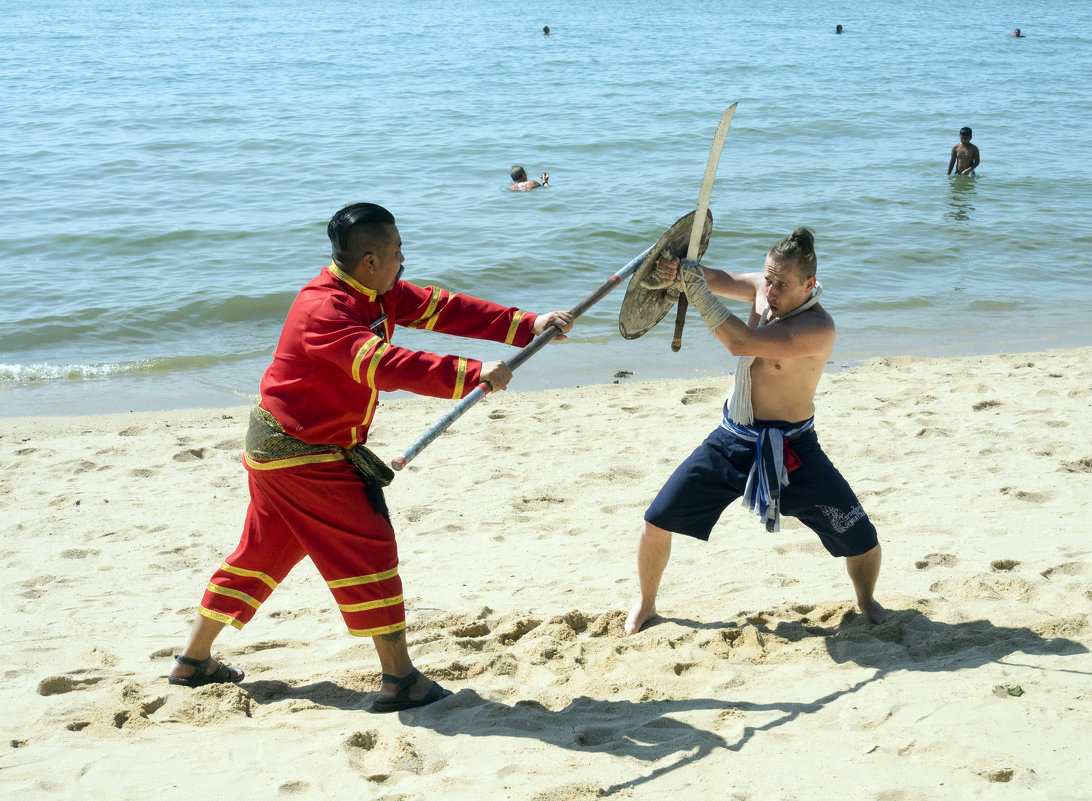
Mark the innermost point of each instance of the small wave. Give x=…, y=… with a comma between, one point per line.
x=44, y=372
x=31, y=373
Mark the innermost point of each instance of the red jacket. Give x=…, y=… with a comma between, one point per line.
x=330, y=365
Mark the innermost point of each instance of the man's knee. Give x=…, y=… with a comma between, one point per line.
x=654, y=533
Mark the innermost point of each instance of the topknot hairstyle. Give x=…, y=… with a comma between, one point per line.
x=800, y=247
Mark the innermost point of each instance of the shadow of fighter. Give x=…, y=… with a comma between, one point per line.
x=650, y=731
x=644, y=730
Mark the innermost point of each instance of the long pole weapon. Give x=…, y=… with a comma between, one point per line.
x=483, y=389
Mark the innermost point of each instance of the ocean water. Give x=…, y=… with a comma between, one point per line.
x=168, y=173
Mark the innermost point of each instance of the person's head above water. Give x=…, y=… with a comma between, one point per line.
x=965, y=131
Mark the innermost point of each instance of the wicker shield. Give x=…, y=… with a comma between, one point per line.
x=642, y=308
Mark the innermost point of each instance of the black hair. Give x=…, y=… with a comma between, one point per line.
x=517, y=173
x=799, y=245
x=965, y=130
x=356, y=230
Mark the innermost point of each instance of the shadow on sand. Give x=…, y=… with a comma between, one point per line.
x=648, y=730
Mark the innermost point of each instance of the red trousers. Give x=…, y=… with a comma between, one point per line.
x=318, y=510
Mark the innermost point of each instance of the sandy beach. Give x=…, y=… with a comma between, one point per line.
x=517, y=533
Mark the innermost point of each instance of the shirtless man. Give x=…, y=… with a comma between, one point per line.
x=784, y=346
x=520, y=182
x=964, y=155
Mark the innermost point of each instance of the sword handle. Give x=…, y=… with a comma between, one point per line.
x=680, y=321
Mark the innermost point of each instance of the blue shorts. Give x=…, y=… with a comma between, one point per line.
x=714, y=475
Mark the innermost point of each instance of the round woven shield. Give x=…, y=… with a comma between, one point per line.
x=642, y=308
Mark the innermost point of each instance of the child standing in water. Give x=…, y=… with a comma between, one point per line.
x=964, y=155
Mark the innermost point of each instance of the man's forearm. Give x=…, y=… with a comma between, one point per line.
x=701, y=297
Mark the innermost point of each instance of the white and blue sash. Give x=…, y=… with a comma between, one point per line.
x=768, y=475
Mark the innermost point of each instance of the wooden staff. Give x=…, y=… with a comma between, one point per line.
x=703, y=204
x=483, y=389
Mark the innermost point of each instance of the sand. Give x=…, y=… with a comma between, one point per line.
x=517, y=532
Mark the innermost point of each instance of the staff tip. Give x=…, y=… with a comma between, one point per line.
x=398, y=463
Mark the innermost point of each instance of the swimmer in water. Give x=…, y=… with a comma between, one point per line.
x=964, y=155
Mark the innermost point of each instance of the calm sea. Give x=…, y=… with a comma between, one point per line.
x=168, y=171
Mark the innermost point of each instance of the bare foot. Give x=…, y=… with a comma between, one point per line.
x=638, y=616
x=872, y=608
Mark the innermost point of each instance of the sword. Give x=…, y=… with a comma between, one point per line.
x=703, y=204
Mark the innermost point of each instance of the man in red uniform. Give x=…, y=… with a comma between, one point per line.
x=315, y=490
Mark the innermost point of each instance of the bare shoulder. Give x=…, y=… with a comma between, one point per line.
x=815, y=322
x=816, y=319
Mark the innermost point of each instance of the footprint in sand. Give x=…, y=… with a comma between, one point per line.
x=80, y=466
x=212, y=705
x=477, y=628
x=1068, y=569
x=807, y=547
x=266, y=645
x=78, y=553
x=294, y=788
x=378, y=761
x=133, y=711
x=986, y=404
x=700, y=395
x=189, y=455
x=517, y=630
x=1021, y=495
x=287, y=614
x=362, y=740
x=936, y=560
x=80, y=679
x=415, y=513
x=1079, y=466
x=533, y=504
